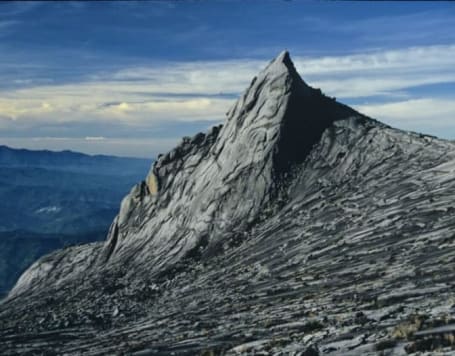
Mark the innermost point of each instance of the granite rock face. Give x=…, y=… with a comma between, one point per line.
x=300, y=225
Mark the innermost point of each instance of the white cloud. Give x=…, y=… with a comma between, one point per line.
x=187, y=92
x=381, y=72
x=345, y=76
x=94, y=138
x=164, y=109
x=200, y=77
x=408, y=59
x=433, y=116
x=426, y=110
x=384, y=84
x=85, y=102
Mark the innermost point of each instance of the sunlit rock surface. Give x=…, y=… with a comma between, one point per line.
x=300, y=225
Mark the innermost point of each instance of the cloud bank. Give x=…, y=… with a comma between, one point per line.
x=148, y=98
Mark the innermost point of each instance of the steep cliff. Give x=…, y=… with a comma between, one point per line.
x=300, y=224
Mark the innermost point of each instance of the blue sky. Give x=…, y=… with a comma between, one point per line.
x=131, y=78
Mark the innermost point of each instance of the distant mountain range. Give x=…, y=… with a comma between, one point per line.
x=72, y=161
x=51, y=199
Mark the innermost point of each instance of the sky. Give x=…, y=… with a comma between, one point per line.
x=132, y=78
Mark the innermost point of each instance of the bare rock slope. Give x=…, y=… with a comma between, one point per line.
x=300, y=225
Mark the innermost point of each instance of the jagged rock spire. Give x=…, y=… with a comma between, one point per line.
x=209, y=189
x=365, y=194
x=293, y=113
x=214, y=184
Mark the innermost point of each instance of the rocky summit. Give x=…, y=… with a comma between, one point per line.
x=299, y=226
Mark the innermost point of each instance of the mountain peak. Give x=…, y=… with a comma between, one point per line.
x=283, y=65
x=282, y=62
x=283, y=58
x=207, y=189
x=296, y=195
x=271, y=86
x=221, y=181
x=294, y=113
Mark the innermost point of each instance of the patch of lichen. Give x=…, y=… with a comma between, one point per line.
x=152, y=183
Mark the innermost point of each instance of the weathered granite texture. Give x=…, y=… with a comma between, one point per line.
x=299, y=226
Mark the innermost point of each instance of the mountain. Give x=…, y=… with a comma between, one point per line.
x=51, y=199
x=70, y=161
x=63, y=192
x=300, y=226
